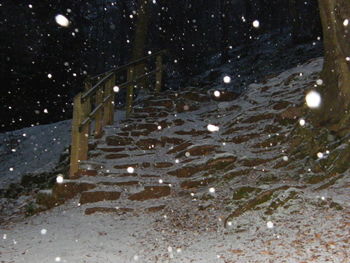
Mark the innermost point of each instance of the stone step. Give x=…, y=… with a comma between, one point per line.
x=151, y=192
x=166, y=103
x=224, y=95
x=149, y=143
x=98, y=196
x=62, y=192
x=116, y=156
x=193, y=132
x=150, y=109
x=123, y=210
x=111, y=149
x=197, y=150
x=119, y=141
x=193, y=184
x=105, y=210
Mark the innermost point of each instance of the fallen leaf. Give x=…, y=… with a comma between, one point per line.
x=266, y=252
x=236, y=251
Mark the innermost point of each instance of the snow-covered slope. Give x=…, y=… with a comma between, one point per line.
x=32, y=150
x=298, y=222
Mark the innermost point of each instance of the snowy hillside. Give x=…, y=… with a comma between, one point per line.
x=229, y=190
x=31, y=150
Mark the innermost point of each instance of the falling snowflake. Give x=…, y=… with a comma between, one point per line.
x=227, y=79
x=346, y=22
x=285, y=158
x=211, y=190
x=130, y=170
x=302, y=122
x=319, y=82
x=59, y=179
x=217, y=93
x=256, y=24
x=320, y=155
x=62, y=20
x=212, y=128
x=269, y=225
x=43, y=231
x=313, y=99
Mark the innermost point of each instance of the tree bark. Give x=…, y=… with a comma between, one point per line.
x=336, y=69
x=141, y=30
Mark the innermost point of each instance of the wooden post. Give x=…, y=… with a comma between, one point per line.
x=99, y=114
x=112, y=100
x=79, y=139
x=159, y=73
x=130, y=91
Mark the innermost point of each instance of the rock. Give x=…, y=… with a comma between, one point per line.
x=281, y=105
x=183, y=107
x=224, y=95
x=150, y=143
x=117, y=155
x=244, y=138
x=220, y=162
x=179, y=147
x=97, y=196
x=292, y=113
x=193, y=132
x=186, y=171
x=200, y=150
x=171, y=140
x=190, y=184
x=163, y=165
x=178, y=122
x=195, y=96
x=260, y=117
x=254, y=162
x=119, y=211
x=168, y=104
x=114, y=149
x=154, y=209
x=151, y=192
x=119, y=141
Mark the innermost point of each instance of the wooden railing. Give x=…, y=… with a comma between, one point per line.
x=94, y=108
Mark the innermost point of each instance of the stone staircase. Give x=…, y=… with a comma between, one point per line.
x=147, y=159
x=165, y=149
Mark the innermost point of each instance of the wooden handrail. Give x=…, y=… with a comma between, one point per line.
x=96, y=104
x=132, y=63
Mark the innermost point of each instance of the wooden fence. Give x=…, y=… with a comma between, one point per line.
x=94, y=108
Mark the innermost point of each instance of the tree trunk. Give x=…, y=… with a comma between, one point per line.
x=141, y=31
x=335, y=91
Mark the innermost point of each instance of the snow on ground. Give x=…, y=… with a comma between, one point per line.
x=308, y=230
x=32, y=150
x=35, y=149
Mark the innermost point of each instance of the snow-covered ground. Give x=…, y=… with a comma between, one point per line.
x=32, y=150
x=191, y=229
